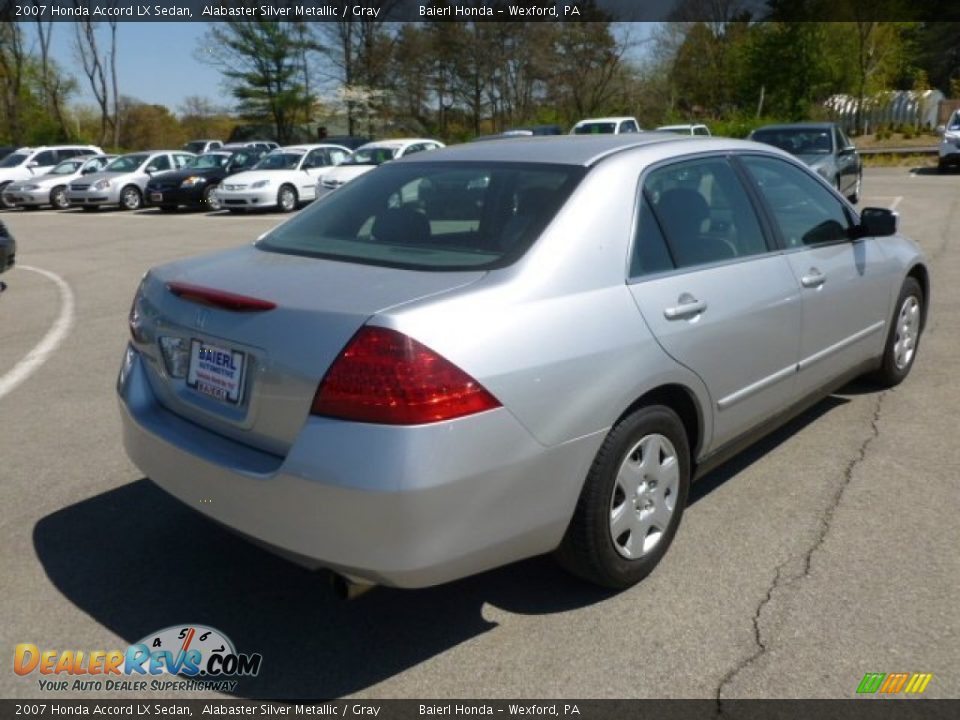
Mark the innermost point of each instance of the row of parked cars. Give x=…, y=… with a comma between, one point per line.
x=258, y=174
x=261, y=174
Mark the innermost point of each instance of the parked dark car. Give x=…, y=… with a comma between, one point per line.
x=193, y=185
x=824, y=147
x=8, y=248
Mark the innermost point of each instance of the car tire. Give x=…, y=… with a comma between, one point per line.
x=58, y=197
x=130, y=198
x=903, y=339
x=4, y=203
x=631, y=502
x=286, y=198
x=210, y=200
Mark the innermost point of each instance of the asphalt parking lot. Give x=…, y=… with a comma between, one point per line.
x=827, y=551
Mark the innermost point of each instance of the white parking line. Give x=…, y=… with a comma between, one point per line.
x=42, y=351
x=896, y=201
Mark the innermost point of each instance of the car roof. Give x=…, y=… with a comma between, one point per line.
x=308, y=148
x=553, y=149
x=619, y=118
x=681, y=126
x=397, y=142
x=813, y=125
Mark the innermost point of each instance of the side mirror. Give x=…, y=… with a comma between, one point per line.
x=941, y=129
x=877, y=222
x=88, y=171
x=33, y=164
x=848, y=150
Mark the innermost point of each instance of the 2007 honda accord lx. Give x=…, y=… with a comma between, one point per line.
x=498, y=350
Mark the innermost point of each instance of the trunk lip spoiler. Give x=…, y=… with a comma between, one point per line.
x=220, y=299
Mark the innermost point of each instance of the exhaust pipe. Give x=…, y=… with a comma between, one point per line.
x=347, y=588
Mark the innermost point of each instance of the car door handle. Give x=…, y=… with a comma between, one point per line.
x=813, y=279
x=687, y=306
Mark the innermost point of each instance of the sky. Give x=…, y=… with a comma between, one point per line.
x=156, y=61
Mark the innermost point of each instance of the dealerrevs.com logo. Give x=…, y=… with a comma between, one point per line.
x=203, y=658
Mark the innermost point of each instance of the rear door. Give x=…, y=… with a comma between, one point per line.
x=719, y=298
x=844, y=284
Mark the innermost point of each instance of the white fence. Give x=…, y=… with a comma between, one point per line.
x=899, y=107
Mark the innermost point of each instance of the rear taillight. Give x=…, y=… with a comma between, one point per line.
x=383, y=376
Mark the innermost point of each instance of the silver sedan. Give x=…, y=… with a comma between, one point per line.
x=499, y=350
x=124, y=180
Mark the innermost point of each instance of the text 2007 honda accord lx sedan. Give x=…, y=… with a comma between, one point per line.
x=498, y=350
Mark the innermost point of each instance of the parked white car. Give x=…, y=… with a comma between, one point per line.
x=366, y=157
x=606, y=126
x=282, y=179
x=686, y=129
x=198, y=147
x=123, y=181
x=29, y=162
x=51, y=188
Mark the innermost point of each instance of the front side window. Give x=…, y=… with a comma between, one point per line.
x=806, y=212
x=46, y=158
x=628, y=126
x=160, y=162
x=208, y=161
x=704, y=212
x=431, y=216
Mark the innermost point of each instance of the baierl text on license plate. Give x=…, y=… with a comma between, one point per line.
x=216, y=371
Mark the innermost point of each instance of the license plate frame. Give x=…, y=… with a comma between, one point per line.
x=212, y=376
x=156, y=197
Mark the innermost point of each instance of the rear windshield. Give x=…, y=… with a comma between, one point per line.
x=799, y=141
x=206, y=162
x=597, y=128
x=431, y=216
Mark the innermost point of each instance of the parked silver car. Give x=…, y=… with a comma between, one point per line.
x=123, y=181
x=824, y=147
x=496, y=350
x=51, y=188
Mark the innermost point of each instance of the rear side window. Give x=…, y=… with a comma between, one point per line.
x=806, y=212
x=704, y=212
x=650, y=253
x=431, y=216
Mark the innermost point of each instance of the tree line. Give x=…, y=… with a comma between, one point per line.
x=455, y=80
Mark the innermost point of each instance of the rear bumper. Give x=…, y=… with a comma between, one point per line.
x=402, y=506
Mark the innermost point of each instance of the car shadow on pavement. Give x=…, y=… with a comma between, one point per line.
x=740, y=462
x=161, y=564
x=166, y=565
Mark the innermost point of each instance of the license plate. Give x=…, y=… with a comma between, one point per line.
x=156, y=197
x=216, y=371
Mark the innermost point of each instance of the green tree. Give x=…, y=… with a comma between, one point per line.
x=262, y=64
